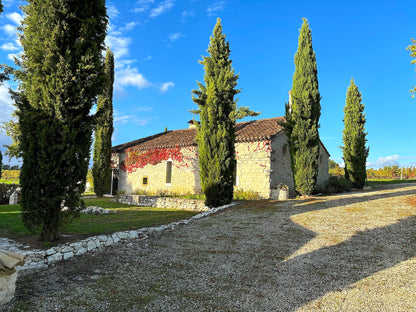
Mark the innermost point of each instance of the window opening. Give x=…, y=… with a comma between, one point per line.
x=169, y=172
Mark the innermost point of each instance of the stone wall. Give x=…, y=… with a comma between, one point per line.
x=253, y=167
x=185, y=176
x=260, y=166
x=281, y=170
x=162, y=202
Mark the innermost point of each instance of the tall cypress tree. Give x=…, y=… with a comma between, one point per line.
x=101, y=170
x=216, y=131
x=354, y=138
x=1, y=163
x=303, y=115
x=61, y=74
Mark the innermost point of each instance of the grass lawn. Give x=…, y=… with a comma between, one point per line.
x=125, y=218
x=10, y=181
x=389, y=181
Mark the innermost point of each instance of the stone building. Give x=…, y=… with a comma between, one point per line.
x=168, y=163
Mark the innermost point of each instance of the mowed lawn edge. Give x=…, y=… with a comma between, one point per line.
x=123, y=218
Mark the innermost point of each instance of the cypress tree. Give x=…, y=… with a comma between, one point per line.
x=216, y=131
x=354, y=138
x=60, y=77
x=1, y=163
x=303, y=115
x=101, y=170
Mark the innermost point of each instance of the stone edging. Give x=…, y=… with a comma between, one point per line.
x=38, y=259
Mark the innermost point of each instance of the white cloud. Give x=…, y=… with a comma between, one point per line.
x=10, y=30
x=186, y=14
x=118, y=44
x=144, y=109
x=392, y=160
x=15, y=17
x=165, y=87
x=128, y=26
x=147, y=58
x=175, y=36
x=12, y=56
x=6, y=103
x=131, y=77
x=216, y=7
x=161, y=8
x=123, y=119
x=9, y=47
x=143, y=6
x=112, y=11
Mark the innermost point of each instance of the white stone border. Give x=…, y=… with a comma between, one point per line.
x=37, y=259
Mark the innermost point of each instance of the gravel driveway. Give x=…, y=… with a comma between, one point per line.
x=350, y=252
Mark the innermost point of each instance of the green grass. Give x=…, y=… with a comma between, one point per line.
x=389, y=181
x=125, y=218
x=10, y=181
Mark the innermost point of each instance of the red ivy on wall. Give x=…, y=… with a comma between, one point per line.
x=138, y=158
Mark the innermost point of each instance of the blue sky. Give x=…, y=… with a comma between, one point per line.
x=157, y=45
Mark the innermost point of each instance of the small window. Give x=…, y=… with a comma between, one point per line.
x=285, y=147
x=169, y=172
x=145, y=181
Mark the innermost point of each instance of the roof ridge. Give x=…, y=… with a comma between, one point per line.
x=246, y=131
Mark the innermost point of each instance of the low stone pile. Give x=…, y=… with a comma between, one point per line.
x=95, y=210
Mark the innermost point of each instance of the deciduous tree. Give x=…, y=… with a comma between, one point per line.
x=354, y=138
x=302, y=117
x=101, y=170
x=60, y=77
x=412, y=49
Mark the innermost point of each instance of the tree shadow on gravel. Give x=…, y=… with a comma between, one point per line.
x=310, y=276
x=232, y=261
x=319, y=203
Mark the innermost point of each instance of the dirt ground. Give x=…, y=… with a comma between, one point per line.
x=347, y=252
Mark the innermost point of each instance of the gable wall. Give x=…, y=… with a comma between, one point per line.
x=281, y=166
x=253, y=167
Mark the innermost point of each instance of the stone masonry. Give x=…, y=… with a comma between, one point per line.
x=162, y=202
x=185, y=176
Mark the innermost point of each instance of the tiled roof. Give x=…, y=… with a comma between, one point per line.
x=247, y=131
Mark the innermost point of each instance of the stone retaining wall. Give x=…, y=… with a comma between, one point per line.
x=37, y=259
x=162, y=202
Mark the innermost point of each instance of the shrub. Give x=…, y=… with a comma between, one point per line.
x=337, y=185
x=246, y=195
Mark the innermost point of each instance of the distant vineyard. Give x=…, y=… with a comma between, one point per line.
x=387, y=172
x=10, y=175
x=392, y=172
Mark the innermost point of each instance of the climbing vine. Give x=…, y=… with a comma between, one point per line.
x=136, y=158
x=139, y=159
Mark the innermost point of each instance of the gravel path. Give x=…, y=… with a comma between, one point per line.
x=351, y=252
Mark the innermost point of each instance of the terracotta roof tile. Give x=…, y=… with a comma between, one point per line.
x=256, y=130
